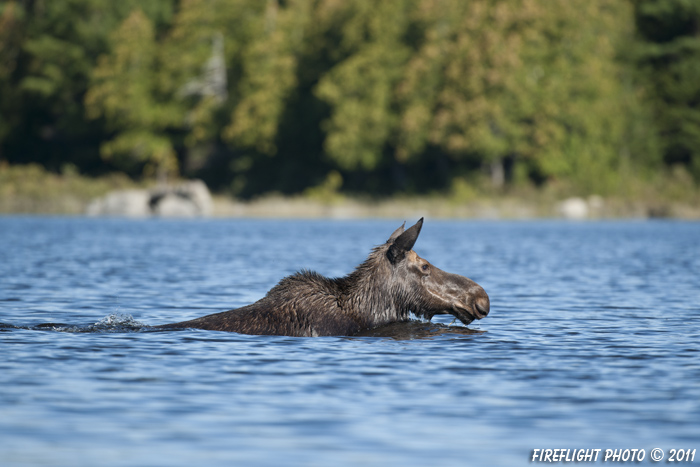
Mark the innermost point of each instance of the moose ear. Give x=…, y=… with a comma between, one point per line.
x=404, y=242
x=396, y=233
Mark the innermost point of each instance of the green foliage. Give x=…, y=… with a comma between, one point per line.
x=398, y=95
x=53, y=49
x=269, y=75
x=125, y=92
x=201, y=62
x=11, y=20
x=534, y=81
x=669, y=54
x=360, y=88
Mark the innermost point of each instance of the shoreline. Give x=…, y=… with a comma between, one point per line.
x=505, y=208
x=300, y=207
x=33, y=191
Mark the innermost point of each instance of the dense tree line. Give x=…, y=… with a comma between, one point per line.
x=373, y=97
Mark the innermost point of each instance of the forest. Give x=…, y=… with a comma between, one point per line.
x=360, y=97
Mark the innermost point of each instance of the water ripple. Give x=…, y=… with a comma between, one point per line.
x=591, y=342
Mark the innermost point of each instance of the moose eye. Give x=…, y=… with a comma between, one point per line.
x=424, y=267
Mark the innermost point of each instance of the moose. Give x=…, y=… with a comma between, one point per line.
x=390, y=284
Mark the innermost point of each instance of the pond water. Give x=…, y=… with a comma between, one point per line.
x=592, y=342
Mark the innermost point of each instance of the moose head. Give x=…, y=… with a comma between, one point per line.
x=427, y=290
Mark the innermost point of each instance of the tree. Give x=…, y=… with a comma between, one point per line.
x=11, y=24
x=280, y=95
x=125, y=92
x=361, y=87
x=55, y=45
x=669, y=56
x=534, y=81
x=269, y=75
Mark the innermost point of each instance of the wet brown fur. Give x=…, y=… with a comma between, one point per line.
x=379, y=291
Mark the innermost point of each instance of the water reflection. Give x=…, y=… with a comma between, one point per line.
x=416, y=329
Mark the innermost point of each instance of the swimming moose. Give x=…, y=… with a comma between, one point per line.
x=392, y=282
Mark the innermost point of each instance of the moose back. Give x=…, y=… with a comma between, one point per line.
x=390, y=284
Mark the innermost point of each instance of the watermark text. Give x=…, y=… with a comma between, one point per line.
x=612, y=455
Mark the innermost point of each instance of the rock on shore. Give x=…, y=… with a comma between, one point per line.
x=188, y=199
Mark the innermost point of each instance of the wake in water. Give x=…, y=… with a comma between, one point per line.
x=113, y=323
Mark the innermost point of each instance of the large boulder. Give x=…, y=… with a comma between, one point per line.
x=125, y=203
x=188, y=199
x=579, y=208
x=573, y=208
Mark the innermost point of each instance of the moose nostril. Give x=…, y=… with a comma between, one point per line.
x=482, y=304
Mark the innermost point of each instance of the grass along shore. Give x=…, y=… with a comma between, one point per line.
x=30, y=189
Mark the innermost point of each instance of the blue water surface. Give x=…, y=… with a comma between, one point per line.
x=592, y=342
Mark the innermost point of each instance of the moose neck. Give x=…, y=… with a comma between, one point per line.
x=367, y=292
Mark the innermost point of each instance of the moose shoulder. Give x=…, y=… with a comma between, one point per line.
x=392, y=282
